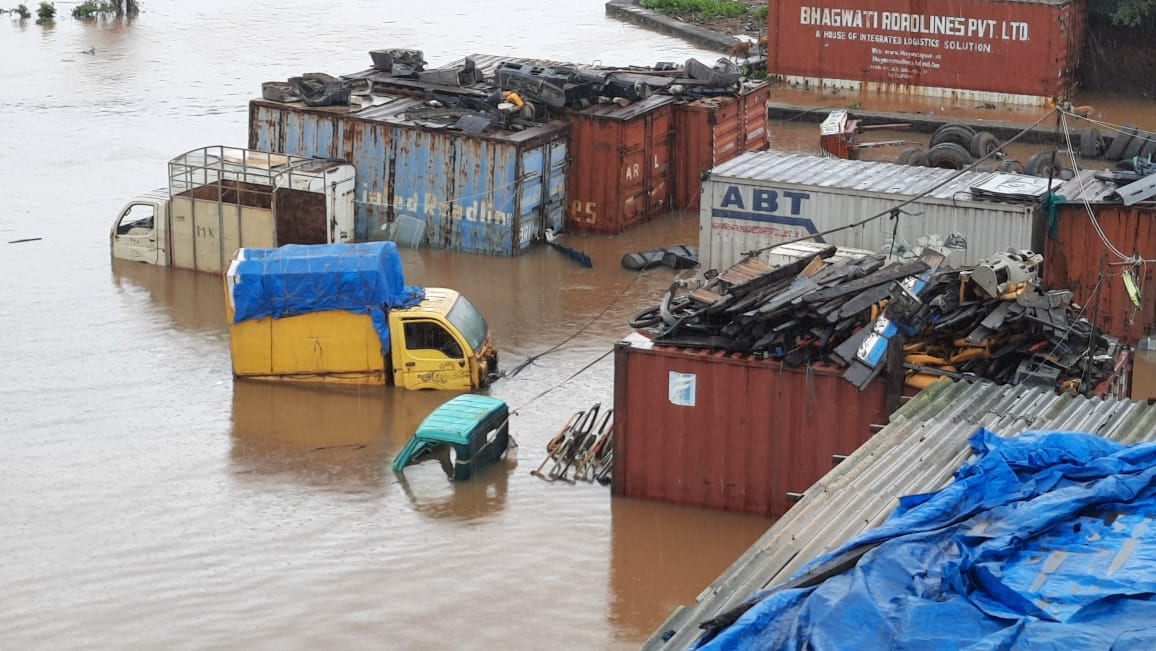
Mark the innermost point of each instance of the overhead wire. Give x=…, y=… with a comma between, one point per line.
x=532, y=358
x=1129, y=260
x=950, y=179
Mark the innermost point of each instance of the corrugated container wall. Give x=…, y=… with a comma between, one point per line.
x=712, y=131
x=727, y=431
x=620, y=173
x=492, y=193
x=1076, y=259
x=764, y=198
x=950, y=48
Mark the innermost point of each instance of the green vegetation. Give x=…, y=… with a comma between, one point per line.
x=45, y=13
x=761, y=14
x=1128, y=13
x=21, y=11
x=91, y=9
x=704, y=8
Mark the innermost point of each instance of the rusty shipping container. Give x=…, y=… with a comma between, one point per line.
x=727, y=431
x=1020, y=51
x=494, y=192
x=714, y=130
x=1076, y=258
x=620, y=172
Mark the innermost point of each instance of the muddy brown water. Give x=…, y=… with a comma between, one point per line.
x=149, y=500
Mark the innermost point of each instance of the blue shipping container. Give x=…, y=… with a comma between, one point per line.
x=492, y=193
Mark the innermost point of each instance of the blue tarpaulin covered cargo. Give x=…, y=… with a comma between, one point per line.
x=305, y=278
x=1044, y=540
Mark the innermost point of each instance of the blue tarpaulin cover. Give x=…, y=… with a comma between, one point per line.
x=1043, y=541
x=304, y=278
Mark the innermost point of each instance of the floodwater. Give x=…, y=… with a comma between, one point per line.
x=149, y=501
x=1106, y=113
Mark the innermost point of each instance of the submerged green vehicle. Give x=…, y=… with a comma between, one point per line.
x=465, y=435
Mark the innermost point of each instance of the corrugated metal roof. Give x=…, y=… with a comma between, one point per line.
x=917, y=452
x=856, y=176
x=1086, y=187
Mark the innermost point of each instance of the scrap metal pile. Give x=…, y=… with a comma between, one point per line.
x=993, y=322
x=513, y=95
x=582, y=450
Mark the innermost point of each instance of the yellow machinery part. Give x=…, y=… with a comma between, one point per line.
x=922, y=380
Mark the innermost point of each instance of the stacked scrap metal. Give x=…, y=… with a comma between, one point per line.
x=478, y=92
x=993, y=322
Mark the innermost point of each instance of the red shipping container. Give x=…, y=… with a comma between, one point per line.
x=712, y=131
x=999, y=50
x=1075, y=260
x=620, y=170
x=730, y=432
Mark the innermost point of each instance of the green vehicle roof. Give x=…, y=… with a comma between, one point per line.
x=453, y=421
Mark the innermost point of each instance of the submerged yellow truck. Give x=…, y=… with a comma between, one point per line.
x=341, y=313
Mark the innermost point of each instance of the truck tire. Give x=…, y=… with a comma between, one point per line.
x=913, y=156
x=1091, y=143
x=1136, y=144
x=1011, y=167
x=1041, y=165
x=983, y=144
x=948, y=155
x=960, y=134
x=1115, y=150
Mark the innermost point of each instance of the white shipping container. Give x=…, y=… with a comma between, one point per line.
x=763, y=198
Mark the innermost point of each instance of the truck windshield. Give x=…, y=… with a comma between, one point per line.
x=469, y=322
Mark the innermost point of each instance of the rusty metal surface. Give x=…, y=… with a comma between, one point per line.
x=756, y=431
x=300, y=217
x=917, y=452
x=620, y=164
x=711, y=131
x=944, y=48
x=1076, y=259
x=490, y=193
x=756, y=132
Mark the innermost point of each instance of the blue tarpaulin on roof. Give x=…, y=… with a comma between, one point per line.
x=1043, y=541
x=304, y=278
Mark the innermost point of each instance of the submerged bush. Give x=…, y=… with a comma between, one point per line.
x=46, y=12
x=22, y=12
x=90, y=9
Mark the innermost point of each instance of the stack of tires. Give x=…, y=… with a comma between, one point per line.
x=956, y=146
x=1123, y=147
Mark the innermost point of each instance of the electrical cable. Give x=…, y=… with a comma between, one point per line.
x=1127, y=259
x=755, y=252
x=532, y=358
x=570, y=377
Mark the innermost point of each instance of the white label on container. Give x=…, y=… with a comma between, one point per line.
x=681, y=389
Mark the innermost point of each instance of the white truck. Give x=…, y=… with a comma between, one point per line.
x=220, y=199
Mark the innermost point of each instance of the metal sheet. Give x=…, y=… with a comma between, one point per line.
x=467, y=190
x=745, y=434
x=957, y=48
x=763, y=198
x=620, y=164
x=1077, y=259
x=917, y=452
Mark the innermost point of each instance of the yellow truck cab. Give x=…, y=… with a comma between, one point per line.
x=342, y=314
